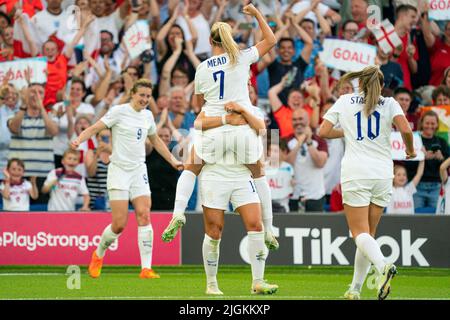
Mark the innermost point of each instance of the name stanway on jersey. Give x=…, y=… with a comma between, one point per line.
x=367, y=139
x=220, y=82
x=130, y=129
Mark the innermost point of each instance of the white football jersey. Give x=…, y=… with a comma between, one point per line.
x=220, y=82
x=19, y=197
x=129, y=131
x=64, y=194
x=367, y=139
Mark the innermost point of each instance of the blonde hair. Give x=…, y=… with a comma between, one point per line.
x=222, y=36
x=141, y=83
x=371, y=81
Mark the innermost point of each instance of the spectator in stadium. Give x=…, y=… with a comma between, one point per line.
x=15, y=190
x=280, y=175
x=392, y=71
x=5, y=20
x=97, y=161
x=179, y=111
x=283, y=113
x=350, y=29
x=285, y=65
x=438, y=47
x=173, y=75
x=82, y=122
x=444, y=172
x=166, y=44
x=48, y=21
x=308, y=154
x=65, y=184
x=193, y=18
x=436, y=152
x=441, y=96
x=112, y=22
x=315, y=10
x=402, y=200
x=162, y=176
x=405, y=97
x=32, y=132
x=406, y=19
x=67, y=111
x=6, y=43
x=9, y=98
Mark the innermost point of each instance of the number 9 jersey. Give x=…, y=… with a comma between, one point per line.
x=367, y=139
x=220, y=81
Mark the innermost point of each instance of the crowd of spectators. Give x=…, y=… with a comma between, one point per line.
x=89, y=69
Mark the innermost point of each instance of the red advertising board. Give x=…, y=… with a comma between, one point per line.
x=49, y=238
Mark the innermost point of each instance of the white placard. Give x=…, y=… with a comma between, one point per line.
x=439, y=9
x=137, y=38
x=17, y=69
x=347, y=55
x=398, y=148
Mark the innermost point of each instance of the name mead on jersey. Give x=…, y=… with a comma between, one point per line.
x=214, y=62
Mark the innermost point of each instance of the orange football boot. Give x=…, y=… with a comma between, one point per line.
x=148, y=274
x=95, y=267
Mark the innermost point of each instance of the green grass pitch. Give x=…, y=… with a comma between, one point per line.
x=188, y=282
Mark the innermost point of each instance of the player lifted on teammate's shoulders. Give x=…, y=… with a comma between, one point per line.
x=219, y=80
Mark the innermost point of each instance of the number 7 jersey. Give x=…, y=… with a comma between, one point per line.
x=367, y=139
x=220, y=82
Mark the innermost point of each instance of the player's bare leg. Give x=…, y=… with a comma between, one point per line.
x=213, y=221
x=257, y=251
x=265, y=196
x=142, y=205
x=185, y=187
x=119, y=213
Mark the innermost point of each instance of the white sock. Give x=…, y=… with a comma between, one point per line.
x=257, y=253
x=370, y=248
x=185, y=187
x=108, y=237
x=211, y=250
x=145, y=243
x=265, y=196
x=362, y=267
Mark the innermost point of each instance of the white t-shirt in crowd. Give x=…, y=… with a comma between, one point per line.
x=220, y=82
x=63, y=196
x=46, y=23
x=203, y=31
x=19, y=199
x=280, y=183
x=130, y=129
x=61, y=141
x=402, y=200
x=113, y=23
x=309, y=179
x=367, y=140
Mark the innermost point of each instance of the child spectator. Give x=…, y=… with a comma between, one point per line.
x=280, y=175
x=16, y=191
x=64, y=185
x=402, y=193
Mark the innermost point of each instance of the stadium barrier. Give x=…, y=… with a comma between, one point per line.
x=324, y=239
x=50, y=238
x=45, y=238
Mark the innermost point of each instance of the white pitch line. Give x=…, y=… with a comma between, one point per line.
x=30, y=274
x=223, y=298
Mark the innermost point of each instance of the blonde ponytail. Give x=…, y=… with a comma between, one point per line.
x=371, y=82
x=222, y=36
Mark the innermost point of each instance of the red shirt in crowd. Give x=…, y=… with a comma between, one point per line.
x=440, y=60
x=403, y=61
x=30, y=7
x=56, y=78
x=283, y=116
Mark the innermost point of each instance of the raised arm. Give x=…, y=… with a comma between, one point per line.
x=308, y=47
x=419, y=173
x=164, y=84
x=26, y=32
x=268, y=38
x=273, y=93
x=443, y=170
x=70, y=48
x=428, y=35
x=162, y=34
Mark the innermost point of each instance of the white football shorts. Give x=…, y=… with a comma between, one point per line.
x=127, y=185
x=217, y=195
x=360, y=193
